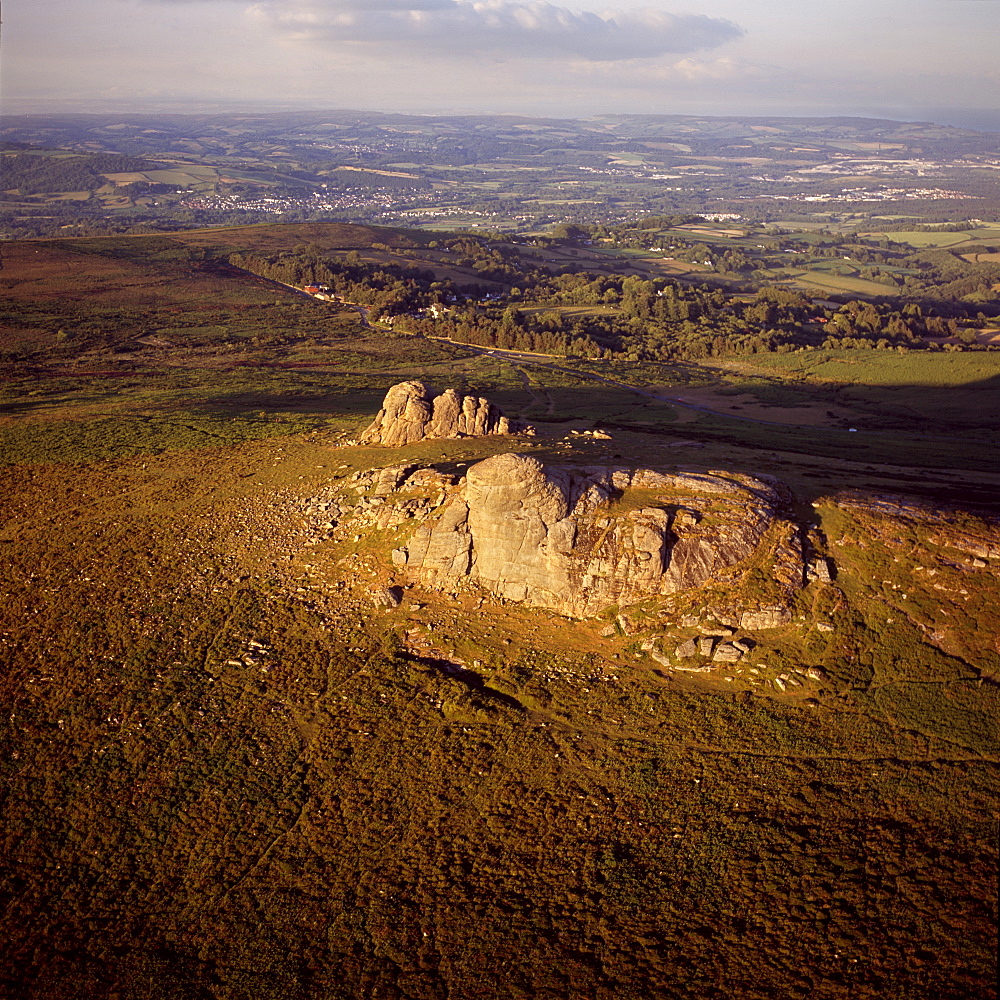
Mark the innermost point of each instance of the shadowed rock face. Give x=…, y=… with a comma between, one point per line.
x=579, y=542
x=411, y=412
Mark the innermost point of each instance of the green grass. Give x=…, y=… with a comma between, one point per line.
x=891, y=447
x=939, y=239
x=67, y=420
x=188, y=175
x=824, y=264
x=709, y=237
x=839, y=283
x=914, y=408
x=871, y=367
x=125, y=436
x=572, y=312
x=625, y=252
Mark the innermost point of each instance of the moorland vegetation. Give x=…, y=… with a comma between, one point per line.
x=229, y=773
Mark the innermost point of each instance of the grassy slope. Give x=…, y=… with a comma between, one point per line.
x=191, y=814
x=885, y=368
x=320, y=815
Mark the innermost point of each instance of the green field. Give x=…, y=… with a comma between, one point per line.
x=839, y=283
x=941, y=239
x=571, y=312
x=924, y=409
x=913, y=368
x=633, y=252
x=701, y=234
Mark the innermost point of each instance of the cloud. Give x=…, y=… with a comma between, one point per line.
x=532, y=29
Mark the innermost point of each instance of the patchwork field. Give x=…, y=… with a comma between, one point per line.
x=837, y=283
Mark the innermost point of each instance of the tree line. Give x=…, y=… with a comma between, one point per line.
x=536, y=308
x=29, y=173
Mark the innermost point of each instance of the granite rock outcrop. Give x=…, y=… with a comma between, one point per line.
x=412, y=412
x=581, y=541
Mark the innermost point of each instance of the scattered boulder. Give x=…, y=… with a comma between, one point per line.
x=382, y=482
x=819, y=570
x=718, y=631
x=770, y=617
x=728, y=617
x=388, y=597
x=661, y=658
x=627, y=626
x=687, y=648
x=411, y=412
x=727, y=652
x=697, y=667
x=432, y=478
x=688, y=518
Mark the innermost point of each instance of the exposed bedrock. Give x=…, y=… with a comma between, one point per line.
x=411, y=412
x=579, y=541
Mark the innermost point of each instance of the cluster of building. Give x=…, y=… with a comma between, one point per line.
x=867, y=194
x=326, y=201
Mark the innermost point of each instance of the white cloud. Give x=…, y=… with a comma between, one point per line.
x=674, y=85
x=532, y=29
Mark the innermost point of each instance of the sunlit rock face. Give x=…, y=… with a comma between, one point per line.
x=411, y=412
x=580, y=541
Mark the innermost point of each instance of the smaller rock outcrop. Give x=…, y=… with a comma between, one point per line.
x=411, y=412
x=819, y=569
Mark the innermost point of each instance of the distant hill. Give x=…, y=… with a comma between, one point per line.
x=243, y=134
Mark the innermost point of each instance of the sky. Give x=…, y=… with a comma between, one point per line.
x=904, y=59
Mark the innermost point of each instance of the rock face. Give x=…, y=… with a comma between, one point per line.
x=581, y=541
x=411, y=412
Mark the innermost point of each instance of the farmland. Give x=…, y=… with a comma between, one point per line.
x=837, y=283
x=484, y=172
x=930, y=238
